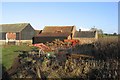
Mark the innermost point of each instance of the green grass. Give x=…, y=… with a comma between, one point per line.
x=9, y=54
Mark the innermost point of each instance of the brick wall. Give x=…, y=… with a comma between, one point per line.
x=11, y=35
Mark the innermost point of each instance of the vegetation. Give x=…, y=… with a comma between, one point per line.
x=107, y=48
x=114, y=34
x=103, y=65
x=10, y=52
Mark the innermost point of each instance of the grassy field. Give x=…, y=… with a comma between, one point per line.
x=9, y=53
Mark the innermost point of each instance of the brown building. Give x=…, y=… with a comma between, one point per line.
x=86, y=36
x=17, y=33
x=50, y=33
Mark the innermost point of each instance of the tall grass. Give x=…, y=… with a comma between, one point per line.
x=107, y=47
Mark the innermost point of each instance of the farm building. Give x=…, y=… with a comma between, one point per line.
x=50, y=33
x=16, y=33
x=86, y=36
x=37, y=32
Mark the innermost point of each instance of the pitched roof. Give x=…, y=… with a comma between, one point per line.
x=13, y=27
x=84, y=34
x=53, y=29
x=37, y=32
x=53, y=34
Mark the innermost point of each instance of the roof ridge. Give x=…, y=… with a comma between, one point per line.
x=14, y=27
x=13, y=23
x=59, y=26
x=85, y=31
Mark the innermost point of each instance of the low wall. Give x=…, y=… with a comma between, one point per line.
x=86, y=40
x=17, y=42
x=2, y=42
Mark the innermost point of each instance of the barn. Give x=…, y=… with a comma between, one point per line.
x=50, y=33
x=16, y=33
x=86, y=37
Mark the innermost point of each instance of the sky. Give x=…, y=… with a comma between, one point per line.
x=59, y=0
x=84, y=15
x=119, y=18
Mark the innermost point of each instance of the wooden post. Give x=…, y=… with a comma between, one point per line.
x=19, y=37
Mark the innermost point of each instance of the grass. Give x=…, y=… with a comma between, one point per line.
x=9, y=53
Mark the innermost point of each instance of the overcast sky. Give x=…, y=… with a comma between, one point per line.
x=85, y=15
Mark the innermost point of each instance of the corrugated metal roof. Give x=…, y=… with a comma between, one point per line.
x=84, y=34
x=53, y=29
x=13, y=27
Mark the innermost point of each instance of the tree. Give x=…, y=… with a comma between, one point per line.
x=114, y=34
x=100, y=31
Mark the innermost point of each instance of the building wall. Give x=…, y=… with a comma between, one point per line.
x=27, y=33
x=46, y=39
x=17, y=35
x=2, y=36
x=86, y=40
x=69, y=37
x=73, y=31
x=96, y=35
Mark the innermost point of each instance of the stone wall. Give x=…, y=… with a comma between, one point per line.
x=73, y=32
x=86, y=40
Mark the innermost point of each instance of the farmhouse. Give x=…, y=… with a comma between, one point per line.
x=50, y=33
x=86, y=36
x=16, y=33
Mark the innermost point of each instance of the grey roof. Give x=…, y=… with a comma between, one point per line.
x=85, y=34
x=13, y=27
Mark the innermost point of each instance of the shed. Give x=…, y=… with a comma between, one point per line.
x=18, y=33
x=86, y=36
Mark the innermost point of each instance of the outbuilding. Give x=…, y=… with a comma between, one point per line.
x=16, y=33
x=50, y=33
x=86, y=37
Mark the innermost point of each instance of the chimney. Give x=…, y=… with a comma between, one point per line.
x=79, y=30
